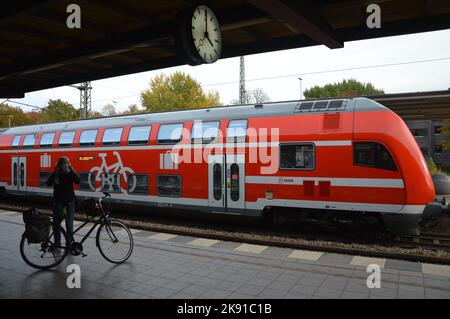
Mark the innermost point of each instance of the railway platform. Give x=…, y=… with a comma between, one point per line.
x=170, y=266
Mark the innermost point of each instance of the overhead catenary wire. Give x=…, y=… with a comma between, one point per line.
x=26, y=104
x=303, y=74
x=330, y=71
x=271, y=77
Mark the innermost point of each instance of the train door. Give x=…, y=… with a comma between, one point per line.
x=216, y=182
x=226, y=183
x=235, y=174
x=19, y=173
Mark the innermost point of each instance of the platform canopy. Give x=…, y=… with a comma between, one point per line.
x=38, y=51
x=433, y=105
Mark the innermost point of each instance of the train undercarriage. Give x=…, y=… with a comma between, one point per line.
x=348, y=222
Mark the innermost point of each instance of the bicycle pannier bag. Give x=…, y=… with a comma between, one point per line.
x=37, y=226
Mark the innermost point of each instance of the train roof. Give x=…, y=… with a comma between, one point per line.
x=208, y=114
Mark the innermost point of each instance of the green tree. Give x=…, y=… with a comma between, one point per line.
x=58, y=111
x=13, y=116
x=346, y=88
x=178, y=91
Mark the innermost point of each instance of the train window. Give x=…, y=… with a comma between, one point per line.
x=437, y=129
x=204, y=132
x=43, y=177
x=170, y=133
x=364, y=154
x=111, y=182
x=336, y=104
x=47, y=140
x=217, y=181
x=320, y=105
x=88, y=137
x=87, y=182
x=373, y=154
x=297, y=156
x=22, y=174
x=306, y=106
x=419, y=132
x=15, y=180
x=66, y=138
x=139, y=135
x=16, y=141
x=234, y=189
x=384, y=158
x=169, y=185
x=237, y=130
x=112, y=136
x=137, y=184
x=29, y=140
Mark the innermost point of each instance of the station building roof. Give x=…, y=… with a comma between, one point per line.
x=38, y=51
x=434, y=105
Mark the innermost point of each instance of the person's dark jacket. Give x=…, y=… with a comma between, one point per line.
x=63, y=192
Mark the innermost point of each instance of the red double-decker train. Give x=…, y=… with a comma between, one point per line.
x=340, y=161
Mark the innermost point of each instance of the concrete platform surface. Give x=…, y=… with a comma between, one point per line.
x=170, y=266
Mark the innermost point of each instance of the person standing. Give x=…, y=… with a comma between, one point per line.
x=62, y=179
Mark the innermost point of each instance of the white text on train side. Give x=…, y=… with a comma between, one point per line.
x=261, y=147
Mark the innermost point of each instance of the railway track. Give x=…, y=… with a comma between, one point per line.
x=426, y=248
x=426, y=241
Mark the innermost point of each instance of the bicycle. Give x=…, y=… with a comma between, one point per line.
x=114, y=241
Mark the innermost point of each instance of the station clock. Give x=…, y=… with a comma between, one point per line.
x=199, y=38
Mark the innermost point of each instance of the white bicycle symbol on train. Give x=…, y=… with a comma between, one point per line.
x=111, y=172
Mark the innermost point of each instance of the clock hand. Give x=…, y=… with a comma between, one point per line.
x=206, y=22
x=209, y=41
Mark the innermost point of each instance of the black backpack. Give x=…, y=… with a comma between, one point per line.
x=37, y=226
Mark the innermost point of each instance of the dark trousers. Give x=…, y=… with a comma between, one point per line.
x=58, y=209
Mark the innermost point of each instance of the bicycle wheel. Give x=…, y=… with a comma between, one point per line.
x=115, y=241
x=46, y=254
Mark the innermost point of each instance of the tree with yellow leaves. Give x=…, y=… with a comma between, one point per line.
x=178, y=91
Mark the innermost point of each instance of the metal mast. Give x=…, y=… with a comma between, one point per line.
x=85, y=98
x=242, y=81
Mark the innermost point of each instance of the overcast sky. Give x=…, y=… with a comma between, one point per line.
x=277, y=72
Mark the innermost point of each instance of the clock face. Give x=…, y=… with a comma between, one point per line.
x=206, y=34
